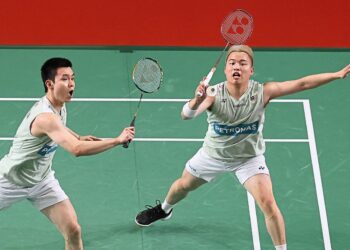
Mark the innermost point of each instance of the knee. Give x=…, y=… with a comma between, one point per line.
x=73, y=231
x=268, y=206
x=185, y=186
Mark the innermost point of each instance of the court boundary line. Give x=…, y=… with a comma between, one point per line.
x=181, y=140
x=317, y=175
x=253, y=222
x=251, y=203
x=317, y=181
x=25, y=99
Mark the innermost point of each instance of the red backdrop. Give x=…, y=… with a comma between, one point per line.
x=279, y=23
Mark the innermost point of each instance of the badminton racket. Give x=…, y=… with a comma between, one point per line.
x=235, y=29
x=147, y=76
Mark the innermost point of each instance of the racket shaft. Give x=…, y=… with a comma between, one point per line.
x=213, y=69
x=132, y=123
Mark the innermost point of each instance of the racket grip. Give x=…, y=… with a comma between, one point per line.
x=132, y=124
x=209, y=76
x=126, y=144
x=207, y=80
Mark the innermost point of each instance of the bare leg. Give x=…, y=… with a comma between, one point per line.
x=260, y=187
x=178, y=190
x=182, y=186
x=64, y=217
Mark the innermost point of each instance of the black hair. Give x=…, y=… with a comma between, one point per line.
x=49, y=68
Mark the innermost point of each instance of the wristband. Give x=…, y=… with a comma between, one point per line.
x=187, y=111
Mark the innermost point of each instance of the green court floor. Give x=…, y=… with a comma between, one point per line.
x=109, y=189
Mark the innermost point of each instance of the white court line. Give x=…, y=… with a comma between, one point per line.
x=130, y=100
x=317, y=175
x=318, y=184
x=198, y=140
x=182, y=140
x=253, y=222
x=251, y=202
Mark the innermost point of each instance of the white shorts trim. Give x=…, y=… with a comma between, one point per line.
x=44, y=194
x=203, y=166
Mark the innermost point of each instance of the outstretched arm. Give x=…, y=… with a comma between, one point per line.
x=276, y=89
x=197, y=104
x=83, y=137
x=50, y=124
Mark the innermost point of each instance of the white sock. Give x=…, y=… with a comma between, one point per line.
x=281, y=247
x=166, y=206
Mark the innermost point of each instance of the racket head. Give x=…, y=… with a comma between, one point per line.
x=147, y=75
x=237, y=27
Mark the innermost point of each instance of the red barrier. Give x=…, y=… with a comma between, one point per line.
x=280, y=23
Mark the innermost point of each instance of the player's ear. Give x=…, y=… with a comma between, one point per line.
x=252, y=70
x=49, y=84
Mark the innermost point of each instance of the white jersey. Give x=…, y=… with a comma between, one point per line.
x=30, y=158
x=235, y=126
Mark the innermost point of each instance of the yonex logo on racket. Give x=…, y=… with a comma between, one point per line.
x=237, y=27
x=238, y=24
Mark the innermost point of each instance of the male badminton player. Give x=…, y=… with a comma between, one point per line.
x=26, y=173
x=234, y=142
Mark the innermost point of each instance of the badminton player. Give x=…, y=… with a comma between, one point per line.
x=234, y=142
x=26, y=171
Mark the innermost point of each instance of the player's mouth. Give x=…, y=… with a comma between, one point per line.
x=71, y=93
x=236, y=74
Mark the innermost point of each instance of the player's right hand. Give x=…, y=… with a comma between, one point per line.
x=344, y=72
x=200, y=93
x=127, y=135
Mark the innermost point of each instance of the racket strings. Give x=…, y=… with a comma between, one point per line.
x=147, y=75
x=237, y=27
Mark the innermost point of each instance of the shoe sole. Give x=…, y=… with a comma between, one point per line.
x=164, y=219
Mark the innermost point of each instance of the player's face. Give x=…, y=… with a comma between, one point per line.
x=64, y=84
x=238, y=68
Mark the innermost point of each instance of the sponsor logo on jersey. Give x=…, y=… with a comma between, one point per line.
x=253, y=98
x=250, y=128
x=46, y=149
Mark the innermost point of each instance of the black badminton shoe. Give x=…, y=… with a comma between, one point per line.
x=150, y=215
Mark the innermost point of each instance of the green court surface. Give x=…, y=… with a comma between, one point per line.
x=109, y=189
